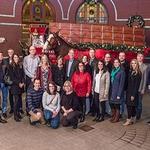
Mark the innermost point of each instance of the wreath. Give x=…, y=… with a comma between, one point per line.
x=137, y=19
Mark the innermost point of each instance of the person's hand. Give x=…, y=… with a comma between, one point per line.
x=87, y=94
x=54, y=114
x=142, y=92
x=65, y=114
x=132, y=98
x=21, y=85
x=118, y=97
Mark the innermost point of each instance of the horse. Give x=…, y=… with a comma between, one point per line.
x=58, y=44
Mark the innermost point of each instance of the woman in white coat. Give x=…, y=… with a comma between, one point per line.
x=101, y=86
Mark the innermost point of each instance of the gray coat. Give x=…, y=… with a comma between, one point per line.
x=117, y=87
x=143, y=69
x=104, y=86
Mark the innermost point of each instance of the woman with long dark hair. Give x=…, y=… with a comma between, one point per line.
x=58, y=73
x=101, y=90
x=17, y=77
x=51, y=105
x=81, y=82
x=134, y=79
x=116, y=90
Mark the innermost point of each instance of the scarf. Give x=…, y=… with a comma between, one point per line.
x=114, y=72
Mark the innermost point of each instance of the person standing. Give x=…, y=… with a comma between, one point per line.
x=116, y=90
x=58, y=74
x=124, y=65
x=3, y=89
x=134, y=79
x=92, y=62
x=44, y=72
x=101, y=90
x=8, y=61
x=143, y=69
x=51, y=105
x=70, y=65
x=109, y=66
x=16, y=73
x=81, y=82
x=89, y=70
x=30, y=65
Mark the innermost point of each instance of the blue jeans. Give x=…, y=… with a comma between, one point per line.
x=139, y=106
x=4, y=90
x=54, y=122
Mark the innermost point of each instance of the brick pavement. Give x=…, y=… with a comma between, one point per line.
x=103, y=136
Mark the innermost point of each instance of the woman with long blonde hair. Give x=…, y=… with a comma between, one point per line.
x=134, y=80
x=44, y=72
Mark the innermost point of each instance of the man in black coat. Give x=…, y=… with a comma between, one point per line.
x=70, y=65
x=8, y=61
x=126, y=67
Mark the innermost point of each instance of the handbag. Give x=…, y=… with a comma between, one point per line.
x=7, y=79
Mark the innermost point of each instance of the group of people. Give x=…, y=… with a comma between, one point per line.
x=68, y=91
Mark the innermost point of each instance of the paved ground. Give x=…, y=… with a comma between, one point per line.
x=103, y=136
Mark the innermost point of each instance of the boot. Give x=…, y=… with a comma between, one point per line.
x=113, y=111
x=128, y=122
x=117, y=115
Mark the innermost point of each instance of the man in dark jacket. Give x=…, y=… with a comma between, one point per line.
x=3, y=88
x=70, y=65
x=8, y=61
x=126, y=67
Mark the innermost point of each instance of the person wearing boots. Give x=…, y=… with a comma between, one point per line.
x=16, y=73
x=81, y=82
x=116, y=90
x=69, y=106
x=101, y=90
x=134, y=79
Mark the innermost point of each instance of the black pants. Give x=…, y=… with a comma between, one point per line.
x=11, y=101
x=99, y=104
x=131, y=111
x=17, y=104
x=71, y=118
x=28, y=82
x=82, y=102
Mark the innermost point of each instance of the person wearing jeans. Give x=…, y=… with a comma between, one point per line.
x=51, y=105
x=3, y=86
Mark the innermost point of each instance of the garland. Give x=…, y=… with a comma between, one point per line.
x=137, y=19
x=108, y=46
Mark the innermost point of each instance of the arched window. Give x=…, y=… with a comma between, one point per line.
x=92, y=12
x=37, y=11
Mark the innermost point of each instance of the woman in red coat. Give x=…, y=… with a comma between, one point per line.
x=81, y=82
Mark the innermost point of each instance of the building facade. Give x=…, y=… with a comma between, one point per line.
x=16, y=16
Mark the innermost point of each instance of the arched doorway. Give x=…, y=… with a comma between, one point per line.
x=36, y=13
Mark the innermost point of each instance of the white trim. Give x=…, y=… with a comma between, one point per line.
x=147, y=27
x=62, y=10
x=121, y=19
x=9, y=24
x=13, y=13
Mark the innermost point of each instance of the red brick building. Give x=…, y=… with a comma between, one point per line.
x=17, y=15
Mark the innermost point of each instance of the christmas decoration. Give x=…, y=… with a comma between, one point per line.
x=136, y=21
x=107, y=46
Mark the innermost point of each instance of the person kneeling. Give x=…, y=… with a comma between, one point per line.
x=34, y=100
x=70, y=106
x=51, y=105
